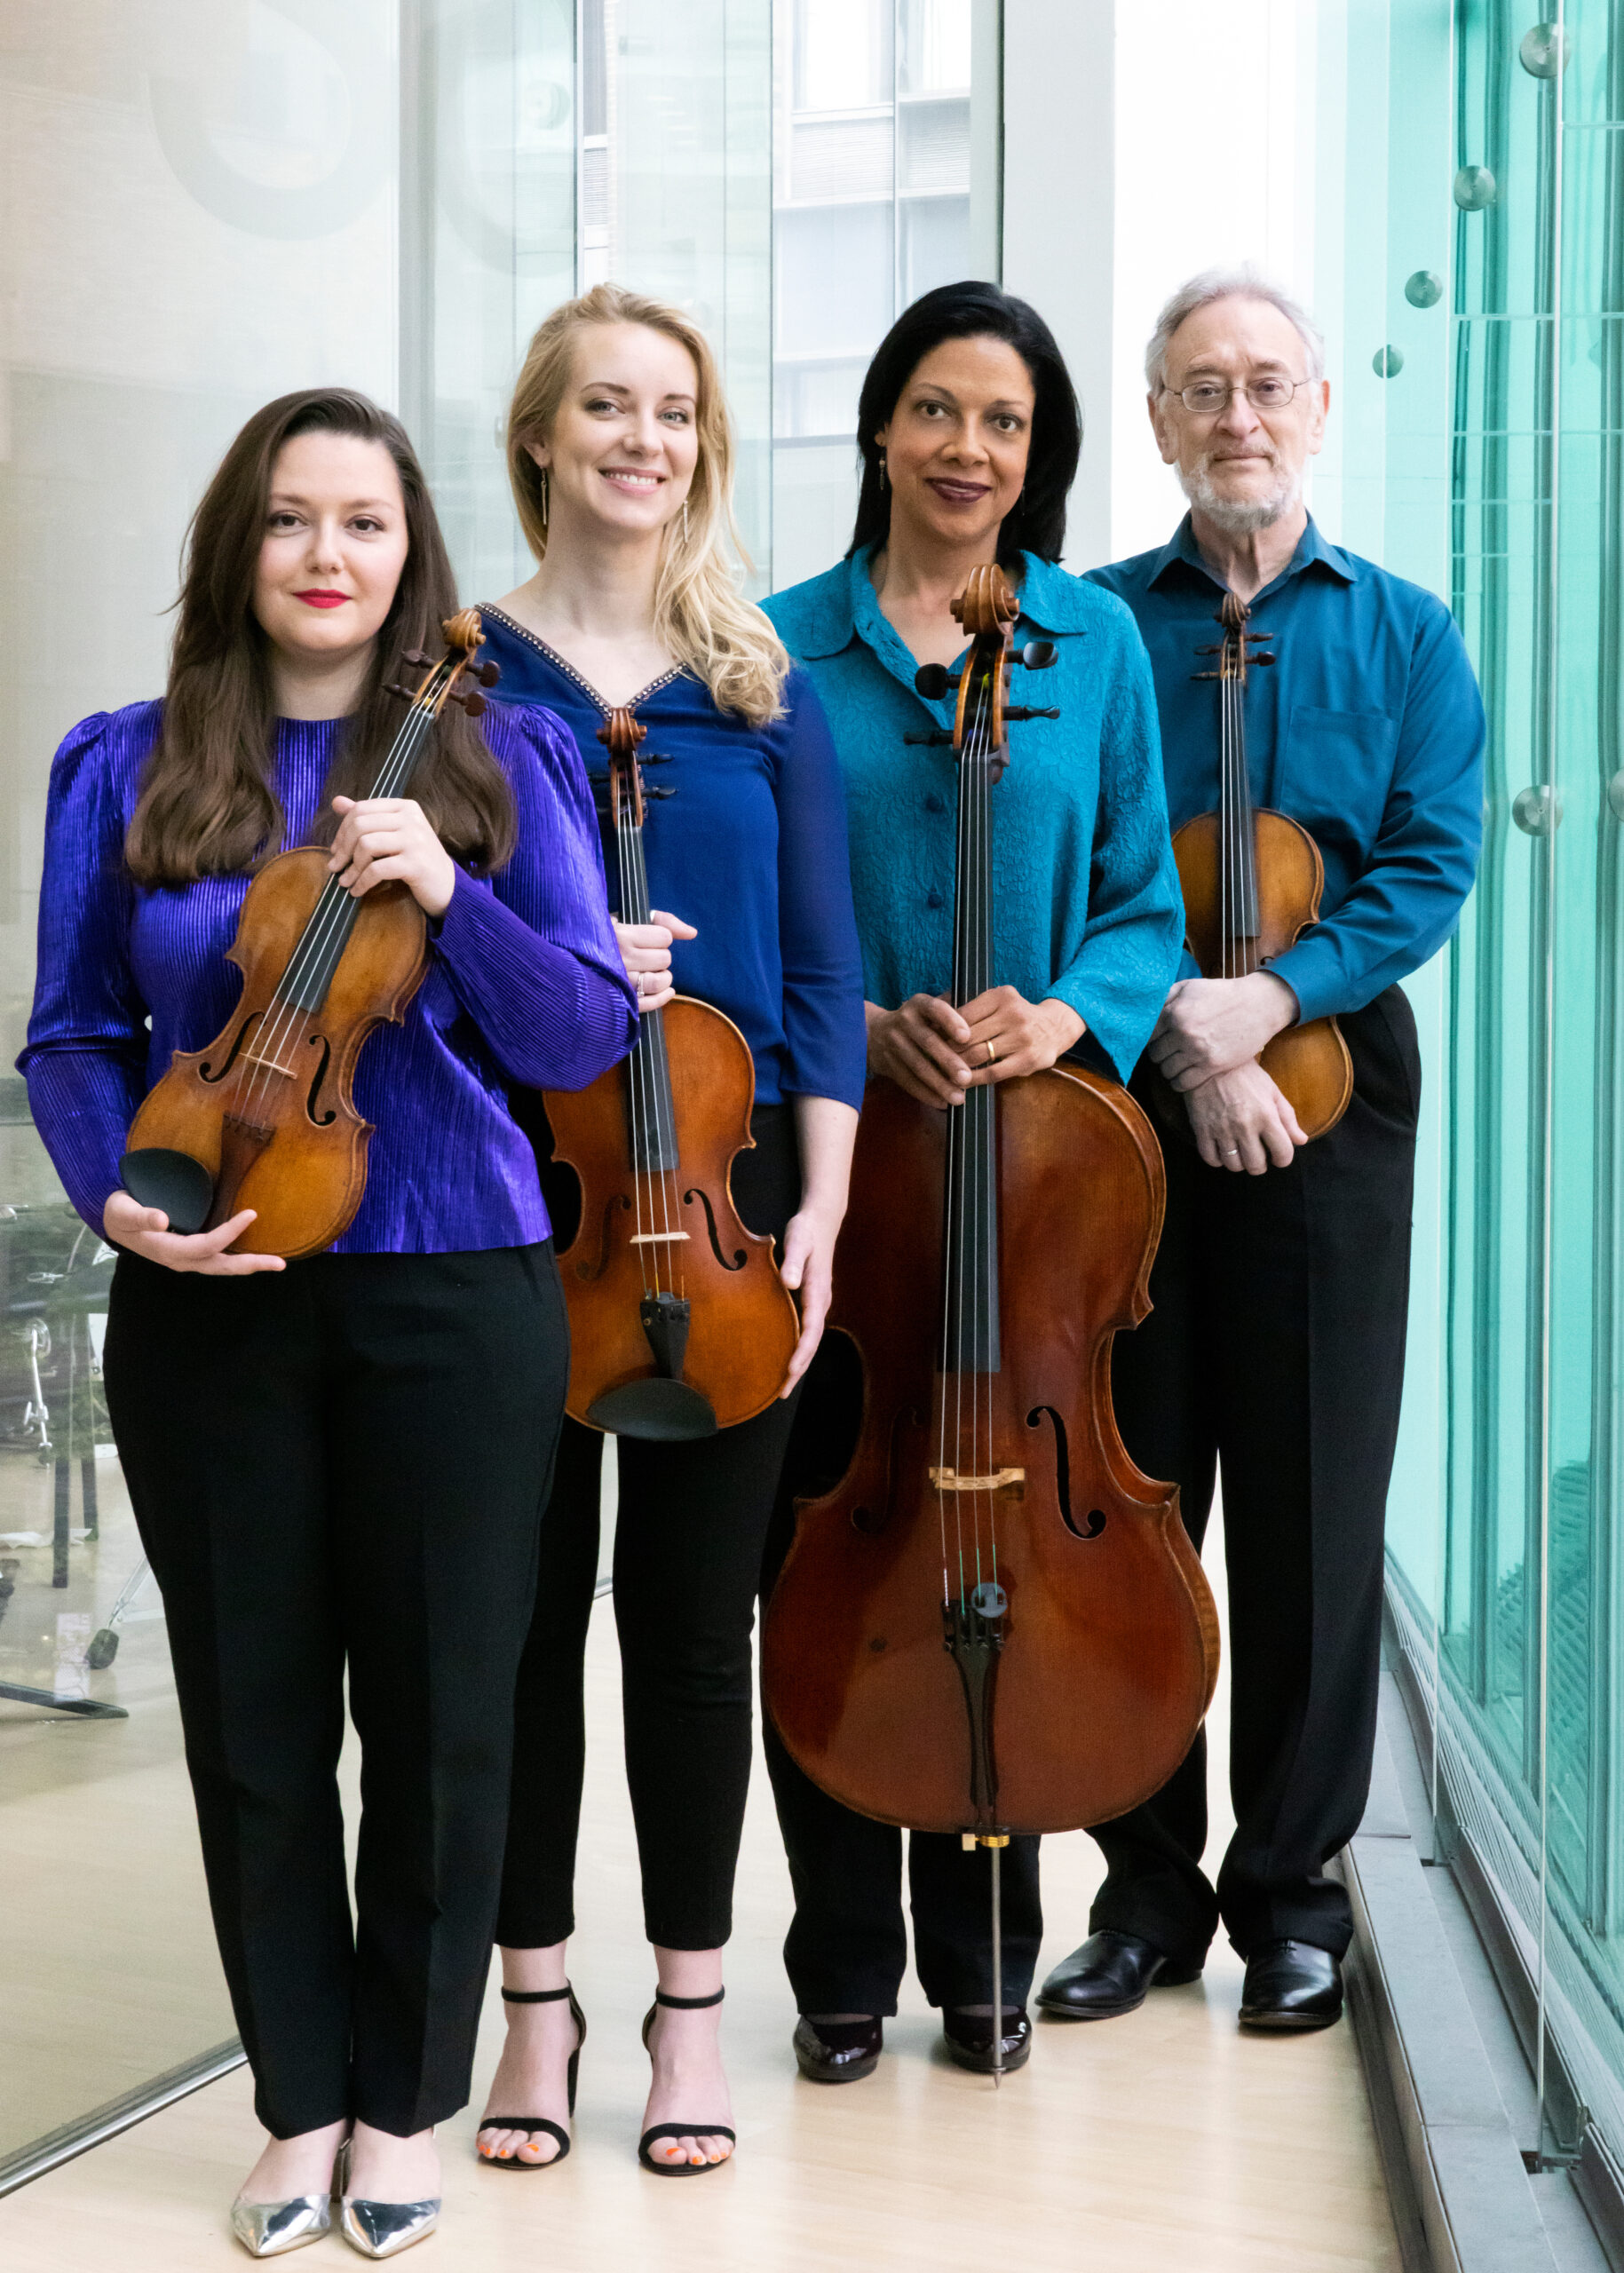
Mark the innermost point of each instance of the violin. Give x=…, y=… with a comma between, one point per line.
x=1252, y=880
x=264, y=1117
x=993, y=1623
x=679, y=1322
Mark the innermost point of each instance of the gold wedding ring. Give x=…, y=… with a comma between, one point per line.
x=992, y=1054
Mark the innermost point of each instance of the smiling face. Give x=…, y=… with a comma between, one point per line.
x=1241, y=466
x=958, y=440
x=621, y=454
x=334, y=546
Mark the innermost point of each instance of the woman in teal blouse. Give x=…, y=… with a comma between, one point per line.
x=969, y=435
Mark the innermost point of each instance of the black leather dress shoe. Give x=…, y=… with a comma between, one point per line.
x=1110, y=1975
x=1291, y=1985
x=838, y=2052
x=969, y=2039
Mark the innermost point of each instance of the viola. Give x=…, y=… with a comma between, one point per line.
x=993, y=1623
x=264, y=1117
x=1252, y=880
x=679, y=1322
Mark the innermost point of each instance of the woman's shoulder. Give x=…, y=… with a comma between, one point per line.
x=814, y=617
x=1054, y=599
x=111, y=745
x=529, y=742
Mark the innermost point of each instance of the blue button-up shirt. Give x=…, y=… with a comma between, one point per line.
x=1086, y=895
x=1369, y=731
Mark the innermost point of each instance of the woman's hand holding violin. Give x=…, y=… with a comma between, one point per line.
x=146, y=1231
x=384, y=840
x=935, y=1053
x=646, y=950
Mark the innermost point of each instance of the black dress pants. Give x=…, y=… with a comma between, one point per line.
x=343, y=1465
x=1275, y=1354
x=687, y=1556
x=846, y=1950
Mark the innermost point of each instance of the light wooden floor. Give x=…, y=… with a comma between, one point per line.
x=1162, y=2143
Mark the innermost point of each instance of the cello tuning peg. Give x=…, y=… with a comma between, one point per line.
x=1261, y=662
x=1037, y=654
x=933, y=680
x=1206, y=651
x=1023, y=710
x=406, y=694
x=487, y=674
x=416, y=655
x=938, y=740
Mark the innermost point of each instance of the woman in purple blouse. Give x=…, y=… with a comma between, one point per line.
x=338, y=1465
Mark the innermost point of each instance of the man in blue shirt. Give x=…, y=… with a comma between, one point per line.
x=1275, y=1348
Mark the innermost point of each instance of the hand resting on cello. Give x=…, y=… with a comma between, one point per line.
x=935, y=1053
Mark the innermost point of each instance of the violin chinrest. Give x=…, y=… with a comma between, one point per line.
x=655, y=1408
x=181, y=1186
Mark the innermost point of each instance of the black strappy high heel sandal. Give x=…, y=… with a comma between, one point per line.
x=538, y=2122
x=681, y=2130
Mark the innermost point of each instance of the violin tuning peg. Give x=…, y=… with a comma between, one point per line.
x=472, y=700
x=416, y=655
x=649, y=793
x=487, y=674
x=1037, y=654
x=653, y=757
x=406, y=694
x=933, y=680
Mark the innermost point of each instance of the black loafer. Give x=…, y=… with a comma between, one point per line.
x=838, y=2052
x=1110, y=1975
x=969, y=2039
x=1291, y=1985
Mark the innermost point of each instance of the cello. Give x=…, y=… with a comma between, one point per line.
x=679, y=1322
x=995, y=1622
x=1252, y=880
x=264, y=1117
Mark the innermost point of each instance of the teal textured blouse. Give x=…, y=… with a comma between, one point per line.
x=1087, y=906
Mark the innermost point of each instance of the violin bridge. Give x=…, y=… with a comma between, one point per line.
x=271, y=1064
x=1002, y=1479
x=656, y=1239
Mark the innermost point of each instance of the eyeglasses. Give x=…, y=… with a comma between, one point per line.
x=1206, y=397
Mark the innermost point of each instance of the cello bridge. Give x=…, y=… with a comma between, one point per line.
x=1012, y=1480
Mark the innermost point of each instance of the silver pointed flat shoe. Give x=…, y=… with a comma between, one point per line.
x=268, y=2229
x=381, y=2229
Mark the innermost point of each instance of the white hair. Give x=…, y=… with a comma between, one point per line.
x=1246, y=284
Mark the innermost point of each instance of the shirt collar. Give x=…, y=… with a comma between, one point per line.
x=1312, y=550
x=1050, y=600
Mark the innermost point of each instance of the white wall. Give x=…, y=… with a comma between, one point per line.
x=1144, y=139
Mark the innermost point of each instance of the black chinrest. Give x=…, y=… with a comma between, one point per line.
x=664, y=1412
x=174, y=1182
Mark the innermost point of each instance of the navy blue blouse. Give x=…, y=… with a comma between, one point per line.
x=526, y=985
x=751, y=850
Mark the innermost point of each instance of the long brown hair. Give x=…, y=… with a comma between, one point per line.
x=207, y=805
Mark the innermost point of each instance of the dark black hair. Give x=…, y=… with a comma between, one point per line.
x=975, y=311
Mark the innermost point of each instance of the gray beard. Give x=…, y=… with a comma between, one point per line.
x=1233, y=517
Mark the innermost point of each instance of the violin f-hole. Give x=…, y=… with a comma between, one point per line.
x=741, y=1254
x=324, y=1120
x=206, y=1073
x=586, y=1270
x=1094, y=1523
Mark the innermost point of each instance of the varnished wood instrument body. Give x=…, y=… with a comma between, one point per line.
x=1309, y=1063
x=995, y=1622
x=679, y=1322
x=299, y=1159
x=1110, y=1647
x=1252, y=880
x=264, y=1117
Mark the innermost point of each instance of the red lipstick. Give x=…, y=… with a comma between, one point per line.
x=318, y=598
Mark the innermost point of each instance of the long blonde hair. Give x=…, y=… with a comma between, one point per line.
x=701, y=618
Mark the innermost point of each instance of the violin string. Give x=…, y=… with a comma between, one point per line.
x=335, y=909
x=1248, y=842
x=629, y=907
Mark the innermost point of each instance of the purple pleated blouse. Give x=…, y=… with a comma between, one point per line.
x=525, y=985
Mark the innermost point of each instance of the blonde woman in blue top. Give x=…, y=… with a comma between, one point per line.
x=620, y=461
x=969, y=435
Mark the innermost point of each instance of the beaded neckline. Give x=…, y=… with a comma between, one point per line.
x=561, y=664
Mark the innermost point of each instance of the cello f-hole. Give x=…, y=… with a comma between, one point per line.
x=1094, y=1522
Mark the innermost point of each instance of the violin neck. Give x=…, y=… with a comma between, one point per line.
x=971, y=1343
x=1238, y=835
x=650, y=1117
x=326, y=933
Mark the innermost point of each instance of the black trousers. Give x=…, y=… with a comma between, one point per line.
x=343, y=1465
x=687, y=1555
x=846, y=1950
x=1275, y=1353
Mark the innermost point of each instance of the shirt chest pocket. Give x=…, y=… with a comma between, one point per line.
x=1338, y=771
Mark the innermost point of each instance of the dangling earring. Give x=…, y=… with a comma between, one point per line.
x=884, y=485
x=544, y=496
x=685, y=520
